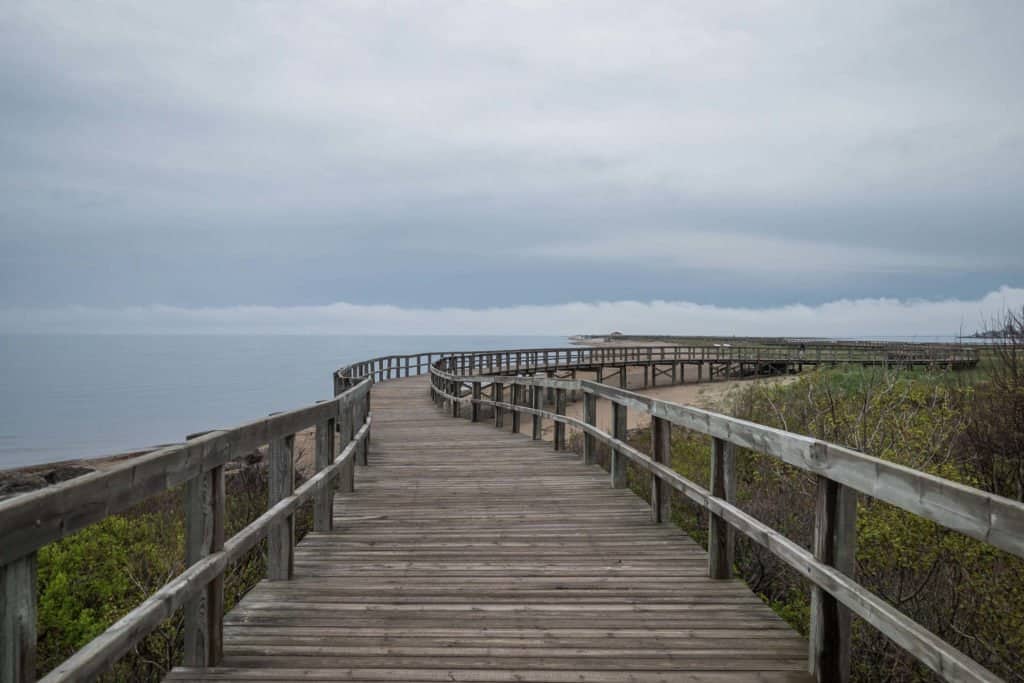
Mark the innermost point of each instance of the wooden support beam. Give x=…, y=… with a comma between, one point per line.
x=366, y=442
x=537, y=401
x=559, y=440
x=474, y=407
x=323, y=501
x=18, y=620
x=204, y=535
x=661, y=449
x=618, y=464
x=721, y=537
x=590, y=417
x=354, y=418
x=456, y=392
x=498, y=391
x=345, y=428
x=281, y=534
x=517, y=417
x=835, y=544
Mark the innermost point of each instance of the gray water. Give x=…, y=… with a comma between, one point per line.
x=81, y=396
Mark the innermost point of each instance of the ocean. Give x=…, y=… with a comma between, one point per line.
x=80, y=396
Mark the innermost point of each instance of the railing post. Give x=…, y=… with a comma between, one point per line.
x=364, y=450
x=537, y=403
x=18, y=620
x=348, y=472
x=835, y=544
x=617, y=470
x=661, y=444
x=456, y=395
x=474, y=408
x=204, y=535
x=498, y=394
x=517, y=417
x=590, y=417
x=281, y=534
x=323, y=504
x=721, y=537
x=559, y=440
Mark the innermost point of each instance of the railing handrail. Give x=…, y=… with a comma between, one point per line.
x=984, y=516
x=987, y=517
x=397, y=365
x=32, y=520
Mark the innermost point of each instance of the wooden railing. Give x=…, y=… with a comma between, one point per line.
x=841, y=473
x=32, y=520
x=395, y=366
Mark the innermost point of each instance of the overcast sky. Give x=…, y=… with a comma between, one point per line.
x=352, y=165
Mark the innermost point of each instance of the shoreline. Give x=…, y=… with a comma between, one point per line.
x=27, y=478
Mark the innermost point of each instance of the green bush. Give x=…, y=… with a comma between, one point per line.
x=92, y=578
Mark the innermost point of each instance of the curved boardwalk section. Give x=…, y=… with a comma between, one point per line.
x=472, y=554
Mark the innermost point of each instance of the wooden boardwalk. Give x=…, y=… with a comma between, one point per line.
x=471, y=554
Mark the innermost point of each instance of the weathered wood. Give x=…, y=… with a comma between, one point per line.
x=536, y=402
x=925, y=646
x=104, y=650
x=721, y=538
x=323, y=501
x=498, y=390
x=31, y=520
x=474, y=410
x=204, y=536
x=617, y=469
x=661, y=449
x=352, y=421
x=344, y=429
x=18, y=620
x=477, y=577
x=590, y=417
x=516, y=400
x=835, y=539
x=981, y=515
x=559, y=438
x=281, y=534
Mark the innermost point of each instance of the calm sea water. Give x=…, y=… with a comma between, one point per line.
x=80, y=396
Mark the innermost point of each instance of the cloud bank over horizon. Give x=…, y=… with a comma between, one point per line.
x=879, y=317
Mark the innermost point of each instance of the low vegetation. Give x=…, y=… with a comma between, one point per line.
x=89, y=580
x=967, y=428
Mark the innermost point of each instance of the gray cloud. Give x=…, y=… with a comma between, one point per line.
x=257, y=153
x=843, y=318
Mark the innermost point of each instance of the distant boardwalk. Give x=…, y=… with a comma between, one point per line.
x=451, y=543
